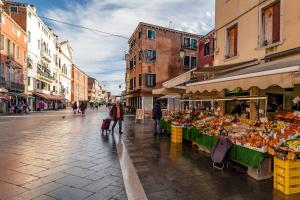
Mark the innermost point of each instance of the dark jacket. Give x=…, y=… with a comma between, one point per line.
x=156, y=112
x=82, y=106
x=74, y=105
x=113, y=112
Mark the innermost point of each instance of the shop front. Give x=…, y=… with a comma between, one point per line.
x=48, y=101
x=257, y=110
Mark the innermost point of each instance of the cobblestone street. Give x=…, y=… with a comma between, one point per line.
x=57, y=155
x=48, y=156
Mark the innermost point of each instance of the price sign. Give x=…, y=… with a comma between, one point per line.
x=139, y=114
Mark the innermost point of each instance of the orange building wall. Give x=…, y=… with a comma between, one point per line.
x=79, y=85
x=19, y=39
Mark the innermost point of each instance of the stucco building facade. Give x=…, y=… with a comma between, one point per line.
x=79, y=91
x=153, y=58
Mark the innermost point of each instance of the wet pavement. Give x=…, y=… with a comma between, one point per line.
x=56, y=155
x=169, y=171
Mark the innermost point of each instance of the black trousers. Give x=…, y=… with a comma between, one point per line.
x=120, y=125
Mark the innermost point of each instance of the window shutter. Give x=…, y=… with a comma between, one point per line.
x=235, y=37
x=276, y=22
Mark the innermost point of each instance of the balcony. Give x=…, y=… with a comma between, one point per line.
x=45, y=75
x=45, y=56
x=13, y=86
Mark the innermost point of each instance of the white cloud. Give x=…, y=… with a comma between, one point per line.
x=102, y=57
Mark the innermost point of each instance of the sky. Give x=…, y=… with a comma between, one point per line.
x=102, y=56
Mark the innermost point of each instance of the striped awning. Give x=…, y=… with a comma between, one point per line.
x=283, y=77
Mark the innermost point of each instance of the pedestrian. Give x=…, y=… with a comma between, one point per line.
x=238, y=109
x=74, y=106
x=82, y=107
x=97, y=106
x=156, y=116
x=117, y=114
x=55, y=106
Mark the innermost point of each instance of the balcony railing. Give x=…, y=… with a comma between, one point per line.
x=45, y=75
x=9, y=85
x=45, y=56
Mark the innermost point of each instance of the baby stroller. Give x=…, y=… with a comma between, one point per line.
x=220, y=150
x=105, y=125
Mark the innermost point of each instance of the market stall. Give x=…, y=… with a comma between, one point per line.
x=252, y=139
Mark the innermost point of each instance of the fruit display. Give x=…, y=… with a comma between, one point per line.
x=261, y=136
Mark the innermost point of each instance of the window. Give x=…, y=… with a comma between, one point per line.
x=7, y=46
x=193, y=62
x=190, y=62
x=190, y=43
x=7, y=78
x=150, y=80
x=232, y=41
x=2, y=70
x=206, y=49
x=140, y=80
x=140, y=55
x=14, y=29
x=13, y=50
x=131, y=84
x=2, y=42
x=151, y=34
x=140, y=34
x=29, y=81
x=29, y=14
x=271, y=24
x=187, y=61
x=150, y=55
x=132, y=63
x=133, y=44
x=134, y=82
x=29, y=36
x=25, y=57
x=14, y=9
x=18, y=52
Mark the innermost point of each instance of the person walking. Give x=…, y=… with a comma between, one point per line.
x=156, y=116
x=82, y=107
x=117, y=114
x=74, y=106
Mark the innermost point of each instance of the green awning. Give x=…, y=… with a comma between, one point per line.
x=15, y=94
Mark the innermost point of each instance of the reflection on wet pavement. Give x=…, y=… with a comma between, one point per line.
x=51, y=157
x=169, y=171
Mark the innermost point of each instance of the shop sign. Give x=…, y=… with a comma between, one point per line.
x=140, y=113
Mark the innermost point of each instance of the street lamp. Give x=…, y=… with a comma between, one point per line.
x=181, y=53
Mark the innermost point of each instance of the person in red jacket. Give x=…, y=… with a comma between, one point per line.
x=117, y=114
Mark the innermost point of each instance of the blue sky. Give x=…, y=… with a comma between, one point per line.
x=102, y=56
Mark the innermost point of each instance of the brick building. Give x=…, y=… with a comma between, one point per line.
x=153, y=58
x=79, y=86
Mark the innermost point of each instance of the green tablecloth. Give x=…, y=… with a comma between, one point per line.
x=239, y=154
x=166, y=126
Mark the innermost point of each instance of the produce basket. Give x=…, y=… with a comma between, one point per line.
x=287, y=175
